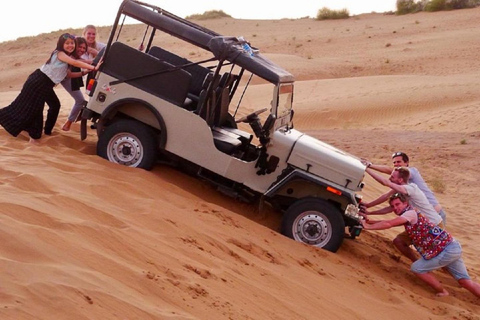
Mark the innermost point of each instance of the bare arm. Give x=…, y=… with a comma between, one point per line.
x=384, y=197
x=377, y=167
x=386, y=182
x=381, y=168
x=366, y=214
x=85, y=60
x=76, y=74
x=384, y=224
x=92, y=51
x=385, y=210
x=62, y=56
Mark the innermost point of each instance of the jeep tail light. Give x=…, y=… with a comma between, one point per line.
x=92, y=83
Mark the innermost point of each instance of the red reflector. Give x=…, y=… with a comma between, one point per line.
x=333, y=190
x=90, y=84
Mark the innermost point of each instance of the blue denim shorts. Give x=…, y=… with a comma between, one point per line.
x=450, y=257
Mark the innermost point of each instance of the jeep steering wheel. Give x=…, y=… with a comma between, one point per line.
x=252, y=116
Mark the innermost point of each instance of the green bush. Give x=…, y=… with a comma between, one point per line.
x=207, y=15
x=407, y=6
x=411, y=6
x=435, y=5
x=326, y=13
x=460, y=4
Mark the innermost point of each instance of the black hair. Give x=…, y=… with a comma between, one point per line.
x=61, y=41
x=402, y=154
x=399, y=196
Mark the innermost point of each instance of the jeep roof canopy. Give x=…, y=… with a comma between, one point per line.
x=223, y=48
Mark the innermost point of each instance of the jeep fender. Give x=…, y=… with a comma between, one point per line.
x=136, y=109
x=300, y=184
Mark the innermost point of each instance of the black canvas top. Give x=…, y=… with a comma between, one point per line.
x=222, y=47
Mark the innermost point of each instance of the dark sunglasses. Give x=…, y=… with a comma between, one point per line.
x=398, y=154
x=398, y=195
x=67, y=36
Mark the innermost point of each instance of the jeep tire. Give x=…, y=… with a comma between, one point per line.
x=315, y=222
x=130, y=143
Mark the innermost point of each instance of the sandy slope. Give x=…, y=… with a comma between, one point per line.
x=85, y=239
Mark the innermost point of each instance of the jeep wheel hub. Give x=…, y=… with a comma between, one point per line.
x=125, y=149
x=312, y=228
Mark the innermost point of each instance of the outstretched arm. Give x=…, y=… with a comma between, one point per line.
x=366, y=214
x=76, y=74
x=386, y=182
x=384, y=197
x=384, y=224
x=381, y=168
x=62, y=56
x=385, y=210
x=377, y=167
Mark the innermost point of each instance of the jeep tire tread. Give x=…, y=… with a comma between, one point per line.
x=315, y=222
x=130, y=143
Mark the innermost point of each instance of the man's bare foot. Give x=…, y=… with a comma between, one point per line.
x=444, y=293
x=35, y=142
x=66, y=126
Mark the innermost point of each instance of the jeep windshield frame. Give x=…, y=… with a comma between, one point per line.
x=283, y=105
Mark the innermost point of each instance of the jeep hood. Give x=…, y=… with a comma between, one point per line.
x=327, y=162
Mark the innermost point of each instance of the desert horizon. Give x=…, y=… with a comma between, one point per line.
x=83, y=238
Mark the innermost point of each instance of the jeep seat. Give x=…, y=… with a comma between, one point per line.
x=225, y=143
x=147, y=73
x=198, y=72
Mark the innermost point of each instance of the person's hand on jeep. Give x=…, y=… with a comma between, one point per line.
x=366, y=162
x=364, y=224
x=364, y=206
x=98, y=64
x=363, y=214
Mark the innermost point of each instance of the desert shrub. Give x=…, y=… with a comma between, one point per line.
x=421, y=4
x=408, y=6
x=460, y=4
x=208, y=15
x=435, y=5
x=411, y=6
x=326, y=14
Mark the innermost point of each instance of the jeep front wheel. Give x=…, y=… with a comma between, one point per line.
x=129, y=143
x=314, y=222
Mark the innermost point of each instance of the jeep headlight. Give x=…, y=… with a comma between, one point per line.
x=352, y=212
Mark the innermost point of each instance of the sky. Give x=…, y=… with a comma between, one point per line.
x=20, y=18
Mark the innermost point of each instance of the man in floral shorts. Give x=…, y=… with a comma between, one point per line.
x=437, y=247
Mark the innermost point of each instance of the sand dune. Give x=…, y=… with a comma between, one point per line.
x=83, y=238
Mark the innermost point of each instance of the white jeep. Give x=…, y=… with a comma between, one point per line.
x=152, y=104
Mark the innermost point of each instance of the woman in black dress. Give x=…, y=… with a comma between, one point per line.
x=25, y=113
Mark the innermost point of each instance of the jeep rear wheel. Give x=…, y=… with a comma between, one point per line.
x=314, y=222
x=129, y=143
